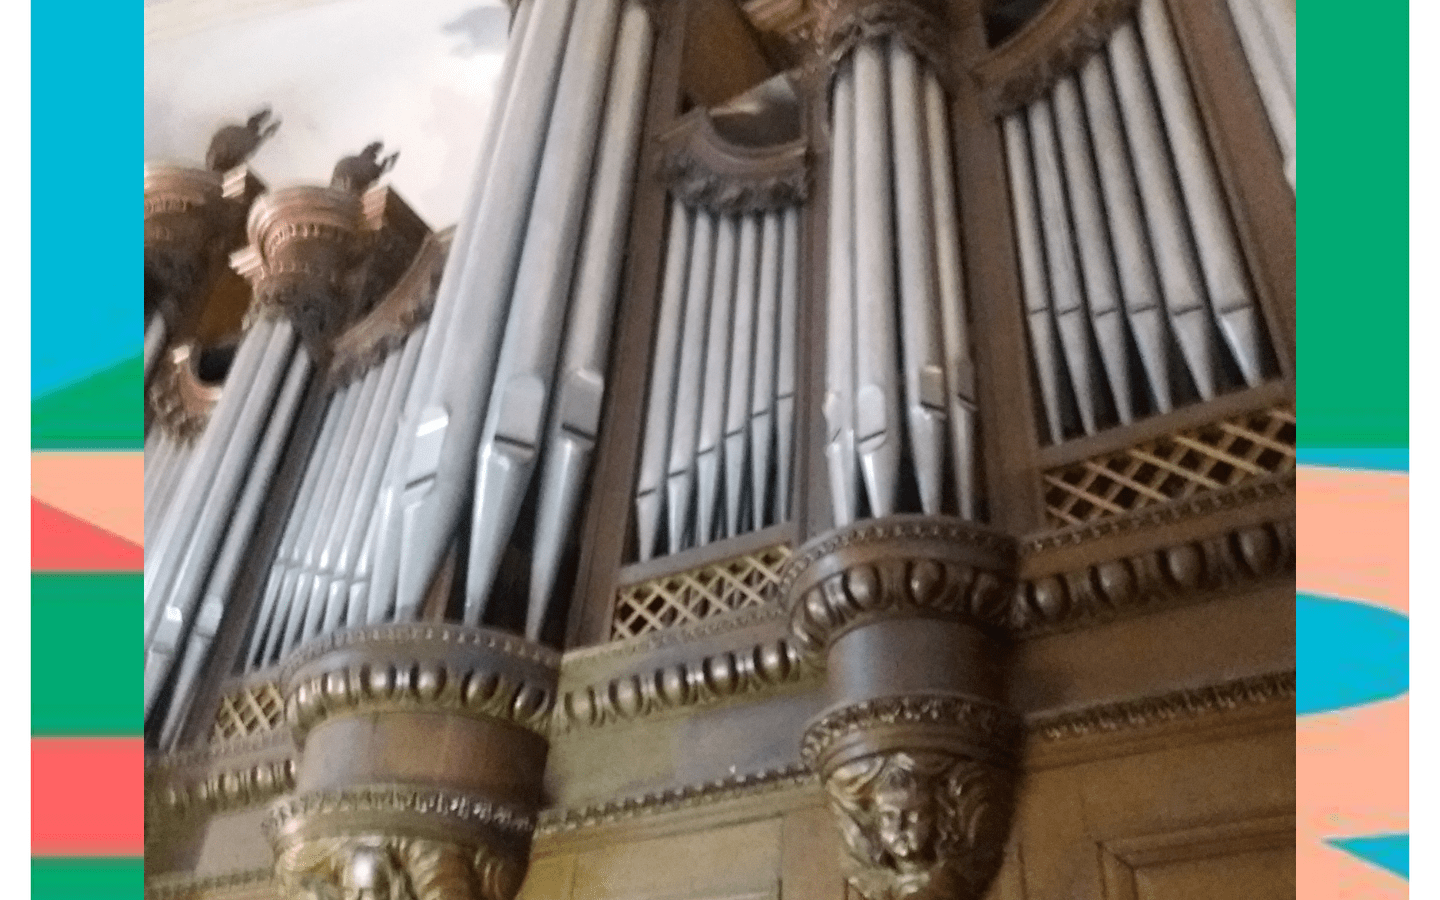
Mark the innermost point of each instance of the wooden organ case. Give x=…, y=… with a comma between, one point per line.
x=846, y=449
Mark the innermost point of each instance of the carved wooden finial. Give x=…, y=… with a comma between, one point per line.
x=354, y=174
x=233, y=144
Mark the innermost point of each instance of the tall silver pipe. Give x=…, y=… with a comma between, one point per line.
x=922, y=356
x=785, y=364
x=1220, y=259
x=840, y=334
x=659, y=411
x=155, y=333
x=877, y=429
x=351, y=446
x=162, y=555
x=293, y=594
x=742, y=371
x=1180, y=280
x=680, y=472
x=214, y=518
x=357, y=521
x=575, y=416
x=466, y=227
x=762, y=399
x=1268, y=64
x=1102, y=293
x=204, y=507
x=525, y=372
x=1066, y=295
x=369, y=448
x=265, y=638
x=954, y=319
x=221, y=583
x=1130, y=243
x=160, y=464
x=1033, y=280
x=445, y=429
x=712, y=395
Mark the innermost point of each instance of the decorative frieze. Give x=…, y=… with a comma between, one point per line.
x=700, y=682
x=1150, y=712
x=228, y=788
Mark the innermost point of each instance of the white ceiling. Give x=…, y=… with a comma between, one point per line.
x=339, y=74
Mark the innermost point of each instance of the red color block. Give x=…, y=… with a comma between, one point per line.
x=87, y=796
x=59, y=542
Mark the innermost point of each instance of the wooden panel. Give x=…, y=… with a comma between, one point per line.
x=737, y=863
x=1253, y=858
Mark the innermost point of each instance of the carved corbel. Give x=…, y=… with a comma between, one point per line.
x=181, y=400
x=419, y=776
x=916, y=747
x=193, y=218
x=323, y=257
x=1049, y=46
x=705, y=169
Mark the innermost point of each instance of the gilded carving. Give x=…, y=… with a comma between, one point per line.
x=1102, y=590
x=355, y=174
x=324, y=257
x=484, y=691
x=180, y=400
x=710, y=679
x=225, y=789
x=842, y=25
x=984, y=728
x=921, y=824
x=386, y=867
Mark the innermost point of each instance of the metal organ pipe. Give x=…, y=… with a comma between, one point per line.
x=575, y=418
x=160, y=557
x=659, y=411
x=876, y=394
x=712, y=394
x=1180, y=279
x=222, y=578
x=1102, y=294
x=785, y=366
x=1129, y=240
x=680, y=478
x=840, y=306
x=181, y=596
x=1066, y=296
x=1220, y=261
x=922, y=356
x=742, y=370
x=959, y=366
x=524, y=375
x=1033, y=281
x=1267, y=34
x=762, y=397
x=443, y=431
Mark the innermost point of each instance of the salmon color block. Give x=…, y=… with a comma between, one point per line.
x=1354, y=535
x=62, y=543
x=104, y=489
x=87, y=796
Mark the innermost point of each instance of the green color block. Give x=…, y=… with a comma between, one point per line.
x=105, y=411
x=63, y=878
x=1353, y=287
x=85, y=674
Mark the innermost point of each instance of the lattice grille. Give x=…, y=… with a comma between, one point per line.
x=1219, y=455
x=253, y=709
x=687, y=597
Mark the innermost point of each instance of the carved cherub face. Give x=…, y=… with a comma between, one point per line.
x=905, y=823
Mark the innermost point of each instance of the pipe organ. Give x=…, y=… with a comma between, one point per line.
x=741, y=499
